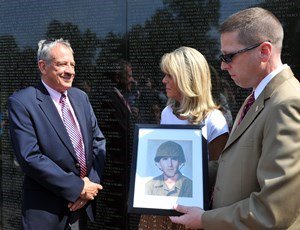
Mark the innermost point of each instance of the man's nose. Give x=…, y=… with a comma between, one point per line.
x=70, y=69
x=169, y=161
x=224, y=66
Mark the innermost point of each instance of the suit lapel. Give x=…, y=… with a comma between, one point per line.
x=257, y=106
x=47, y=106
x=251, y=115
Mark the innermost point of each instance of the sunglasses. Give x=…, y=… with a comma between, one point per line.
x=227, y=58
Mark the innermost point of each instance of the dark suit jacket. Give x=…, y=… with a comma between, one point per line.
x=258, y=179
x=46, y=155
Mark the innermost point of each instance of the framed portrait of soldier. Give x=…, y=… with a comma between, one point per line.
x=169, y=166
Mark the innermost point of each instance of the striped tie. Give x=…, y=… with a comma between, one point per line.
x=74, y=134
x=247, y=106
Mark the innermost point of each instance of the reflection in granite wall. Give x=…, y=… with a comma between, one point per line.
x=118, y=46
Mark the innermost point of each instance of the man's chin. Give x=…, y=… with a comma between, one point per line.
x=65, y=87
x=170, y=175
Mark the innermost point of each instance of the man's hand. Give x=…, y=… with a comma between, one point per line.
x=192, y=217
x=90, y=189
x=79, y=203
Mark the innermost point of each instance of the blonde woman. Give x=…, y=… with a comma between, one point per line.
x=188, y=87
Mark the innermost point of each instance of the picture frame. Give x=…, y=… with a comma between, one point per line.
x=153, y=146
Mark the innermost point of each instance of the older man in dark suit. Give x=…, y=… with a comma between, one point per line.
x=57, y=142
x=258, y=177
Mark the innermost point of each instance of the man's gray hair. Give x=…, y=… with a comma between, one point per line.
x=45, y=46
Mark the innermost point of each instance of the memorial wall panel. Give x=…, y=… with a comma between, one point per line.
x=113, y=40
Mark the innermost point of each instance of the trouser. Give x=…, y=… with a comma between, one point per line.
x=76, y=220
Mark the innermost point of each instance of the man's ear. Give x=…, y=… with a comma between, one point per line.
x=42, y=66
x=266, y=51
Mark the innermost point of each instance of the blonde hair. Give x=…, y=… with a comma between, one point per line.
x=190, y=71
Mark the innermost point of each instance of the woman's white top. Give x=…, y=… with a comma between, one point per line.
x=214, y=124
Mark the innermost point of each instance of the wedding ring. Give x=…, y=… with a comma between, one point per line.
x=81, y=203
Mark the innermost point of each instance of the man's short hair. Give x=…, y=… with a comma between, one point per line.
x=45, y=46
x=255, y=25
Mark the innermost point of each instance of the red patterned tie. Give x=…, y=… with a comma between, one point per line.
x=74, y=134
x=247, y=106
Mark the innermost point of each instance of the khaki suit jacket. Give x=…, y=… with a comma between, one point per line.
x=258, y=179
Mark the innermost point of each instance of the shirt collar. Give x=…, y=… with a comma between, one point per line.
x=267, y=79
x=178, y=183
x=55, y=95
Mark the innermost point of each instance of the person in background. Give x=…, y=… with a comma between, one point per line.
x=170, y=159
x=258, y=177
x=122, y=97
x=188, y=86
x=151, y=101
x=58, y=144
